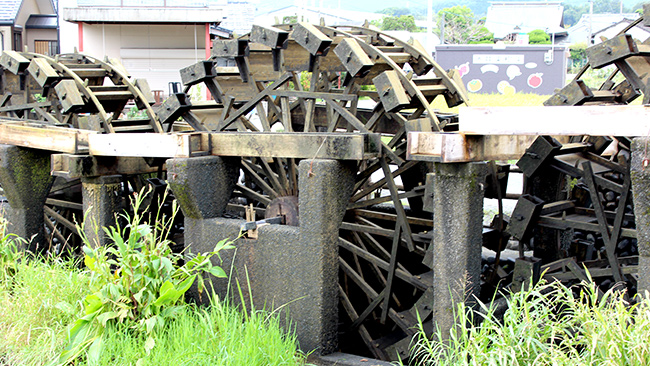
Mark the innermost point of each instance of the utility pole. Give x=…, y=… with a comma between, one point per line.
x=591, y=20
x=429, y=25
x=442, y=27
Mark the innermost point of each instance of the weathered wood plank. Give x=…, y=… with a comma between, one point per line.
x=556, y=120
x=149, y=144
x=45, y=137
x=343, y=146
x=459, y=147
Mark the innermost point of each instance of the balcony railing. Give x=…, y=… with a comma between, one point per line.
x=145, y=3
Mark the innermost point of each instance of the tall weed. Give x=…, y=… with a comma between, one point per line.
x=138, y=282
x=549, y=324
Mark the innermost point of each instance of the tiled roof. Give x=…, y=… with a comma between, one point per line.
x=9, y=10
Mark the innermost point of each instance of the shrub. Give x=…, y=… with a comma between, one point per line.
x=538, y=36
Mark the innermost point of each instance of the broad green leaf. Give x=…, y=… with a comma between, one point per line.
x=149, y=345
x=90, y=262
x=105, y=317
x=94, y=351
x=92, y=303
x=218, y=272
x=150, y=324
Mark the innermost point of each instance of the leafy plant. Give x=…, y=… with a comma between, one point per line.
x=138, y=282
x=135, y=113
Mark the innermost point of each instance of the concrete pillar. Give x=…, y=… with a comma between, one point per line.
x=288, y=268
x=26, y=180
x=457, y=238
x=202, y=185
x=101, y=201
x=640, y=187
x=324, y=195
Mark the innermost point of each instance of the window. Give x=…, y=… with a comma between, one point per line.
x=48, y=48
x=18, y=41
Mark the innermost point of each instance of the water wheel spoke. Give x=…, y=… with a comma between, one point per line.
x=248, y=167
x=406, y=277
x=253, y=195
x=363, y=332
x=383, y=181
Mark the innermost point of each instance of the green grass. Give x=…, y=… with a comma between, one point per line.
x=216, y=335
x=34, y=323
x=550, y=324
x=40, y=300
x=33, y=319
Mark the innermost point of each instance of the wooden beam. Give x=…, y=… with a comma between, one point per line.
x=460, y=147
x=78, y=166
x=45, y=137
x=342, y=146
x=556, y=120
x=157, y=145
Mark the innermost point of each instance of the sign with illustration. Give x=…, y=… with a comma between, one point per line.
x=502, y=69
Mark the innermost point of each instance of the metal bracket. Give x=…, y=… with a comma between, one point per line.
x=251, y=226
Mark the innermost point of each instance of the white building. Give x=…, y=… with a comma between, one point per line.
x=588, y=26
x=506, y=18
x=154, y=39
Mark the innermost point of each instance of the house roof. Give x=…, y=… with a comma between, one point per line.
x=9, y=10
x=41, y=21
x=580, y=31
x=639, y=31
x=503, y=17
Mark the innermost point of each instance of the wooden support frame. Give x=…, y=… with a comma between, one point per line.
x=155, y=145
x=460, y=147
x=78, y=166
x=45, y=137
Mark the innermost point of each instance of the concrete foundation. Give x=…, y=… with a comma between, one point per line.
x=640, y=188
x=26, y=180
x=457, y=239
x=101, y=201
x=290, y=269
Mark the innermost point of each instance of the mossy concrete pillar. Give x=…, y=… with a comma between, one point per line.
x=26, y=180
x=457, y=238
x=101, y=202
x=202, y=185
x=640, y=174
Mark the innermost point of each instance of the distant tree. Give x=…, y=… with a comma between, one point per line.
x=290, y=19
x=460, y=26
x=403, y=22
x=573, y=13
x=538, y=36
x=484, y=36
x=578, y=54
x=416, y=12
